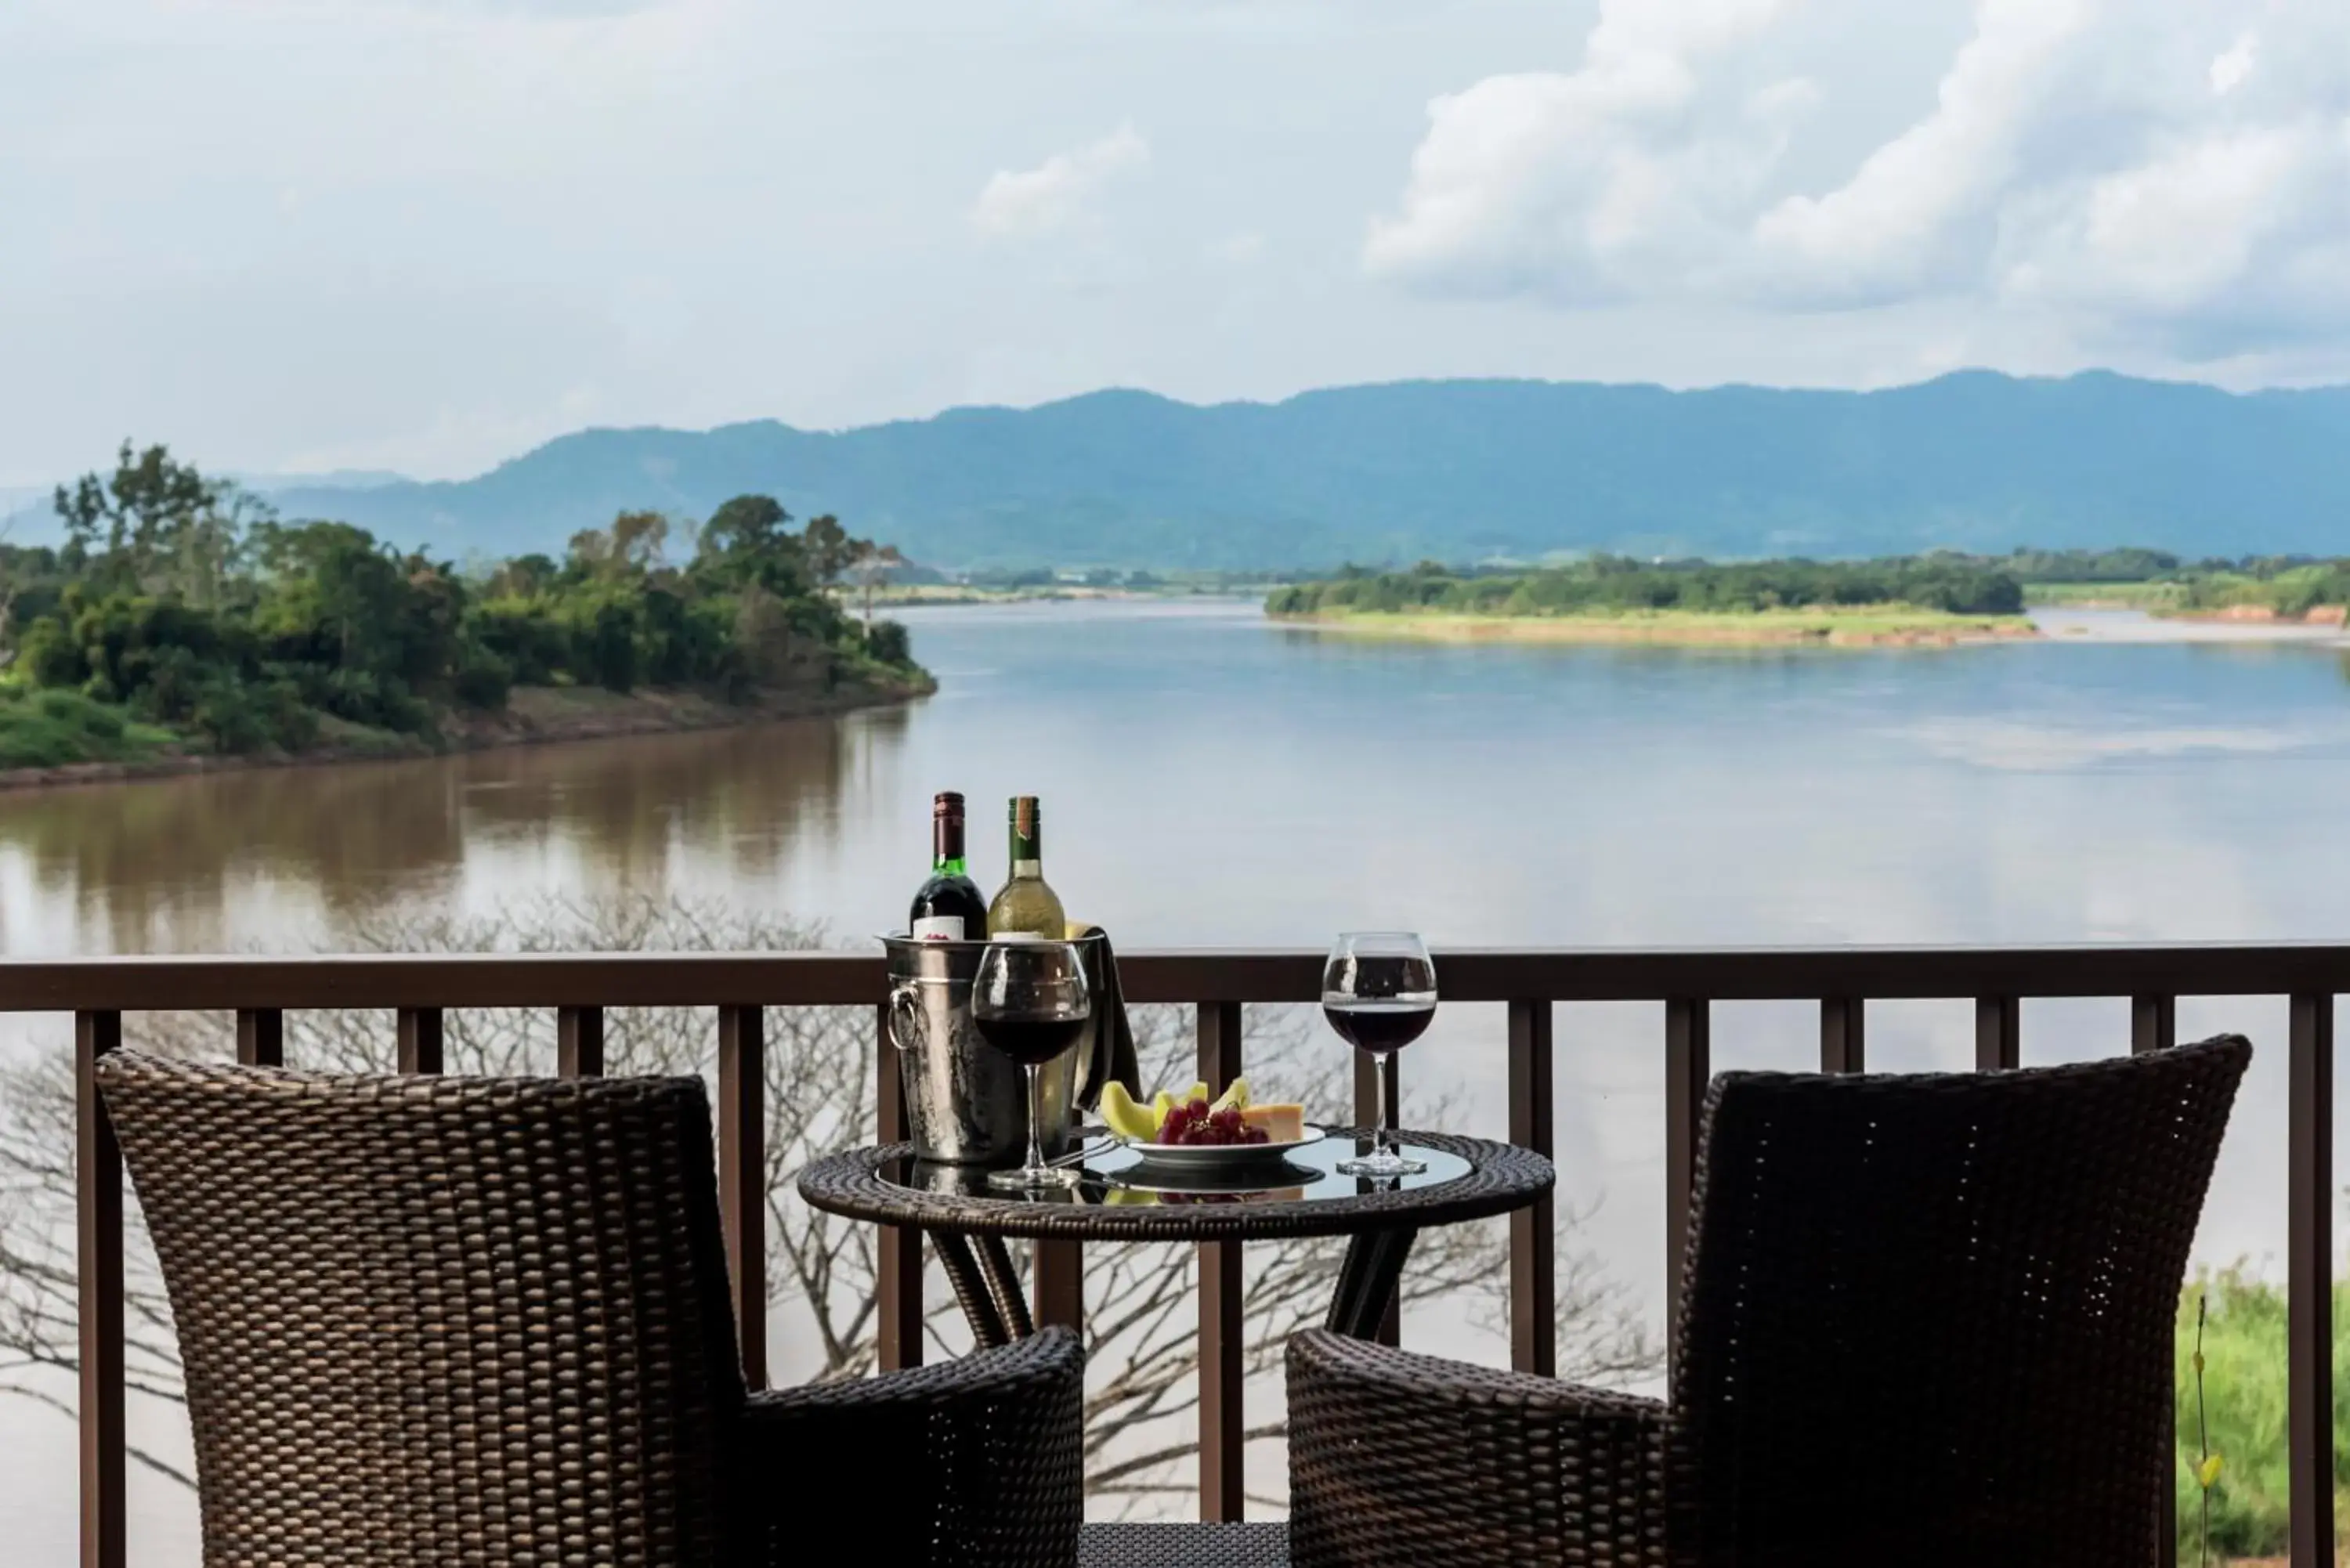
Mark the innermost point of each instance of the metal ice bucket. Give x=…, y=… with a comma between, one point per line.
x=966, y=1102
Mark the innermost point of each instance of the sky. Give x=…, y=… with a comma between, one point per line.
x=300, y=236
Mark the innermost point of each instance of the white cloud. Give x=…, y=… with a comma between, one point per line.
x=2230, y=70
x=1055, y=193
x=2172, y=183
x=1885, y=230
x=1570, y=185
x=2237, y=233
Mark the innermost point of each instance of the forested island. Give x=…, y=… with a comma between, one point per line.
x=182, y=620
x=1913, y=600
x=1940, y=598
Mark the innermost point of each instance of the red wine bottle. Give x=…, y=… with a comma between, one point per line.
x=948, y=908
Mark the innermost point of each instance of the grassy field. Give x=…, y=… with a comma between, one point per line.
x=1857, y=626
x=52, y=729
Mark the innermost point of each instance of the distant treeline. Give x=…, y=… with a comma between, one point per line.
x=1603, y=584
x=2290, y=586
x=177, y=600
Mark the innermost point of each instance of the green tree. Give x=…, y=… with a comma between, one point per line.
x=155, y=525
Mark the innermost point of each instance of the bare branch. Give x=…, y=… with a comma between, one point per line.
x=1142, y=1340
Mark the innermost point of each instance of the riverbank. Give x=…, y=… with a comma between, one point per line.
x=532, y=716
x=1867, y=626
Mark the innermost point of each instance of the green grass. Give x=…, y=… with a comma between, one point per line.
x=2244, y=1403
x=53, y=728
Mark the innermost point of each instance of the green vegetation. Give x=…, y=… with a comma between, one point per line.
x=1897, y=593
x=2152, y=597
x=2286, y=587
x=50, y=729
x=178, y=611
x=2244, y=1405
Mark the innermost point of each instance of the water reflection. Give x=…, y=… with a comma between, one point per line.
x=242, y=858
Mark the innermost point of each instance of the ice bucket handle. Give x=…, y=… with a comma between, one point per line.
x=904, y=1008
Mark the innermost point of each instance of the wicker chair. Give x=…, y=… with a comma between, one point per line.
x=481, y=1322
x=1927, y=1321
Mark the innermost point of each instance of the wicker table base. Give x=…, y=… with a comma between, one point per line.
x=1184, y=1546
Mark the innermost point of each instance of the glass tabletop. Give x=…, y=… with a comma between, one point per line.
x=1113, y=1177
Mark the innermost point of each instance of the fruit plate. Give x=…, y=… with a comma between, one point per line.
x=1219, y=1155
x=1277, y=1178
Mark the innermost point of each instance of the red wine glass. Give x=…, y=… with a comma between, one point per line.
x=1029, y=1002
x=1379, y=991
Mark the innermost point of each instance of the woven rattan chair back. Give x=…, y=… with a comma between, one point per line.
x=428, y=1323
x=1929, y=1319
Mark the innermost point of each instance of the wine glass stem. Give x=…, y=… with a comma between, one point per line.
x=1036, y=1117
x=1383, y=1139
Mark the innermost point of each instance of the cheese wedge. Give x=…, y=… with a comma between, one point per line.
x=1282, y=1124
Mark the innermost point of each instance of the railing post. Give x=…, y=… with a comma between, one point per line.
x=579, y=1042
x=419, y=1040
x=97, y=1161
x=1058, y=1283
x=1533, y=1232
x=1844, y=1035
x=898, y=1278
x=1689, y=1066
x=260, y=1037
x=2154, y=1026
x=1998, y=1034
x=2309, y=1279
x=1368, y=1070
x=1222, y=1342
x=743, y=1177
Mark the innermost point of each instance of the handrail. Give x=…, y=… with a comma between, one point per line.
x=1687, y=982
x=1174, y=975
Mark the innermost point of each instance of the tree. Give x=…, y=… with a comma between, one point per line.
x=156, y=525
x=872, y=563
x=1141, y=1389
x=627, y=551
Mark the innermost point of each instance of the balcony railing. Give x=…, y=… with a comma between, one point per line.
x=739, y=987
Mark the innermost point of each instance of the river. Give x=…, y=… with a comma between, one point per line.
x=1209, y=778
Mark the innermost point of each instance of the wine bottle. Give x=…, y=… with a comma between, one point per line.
x=948, y=908
x=1026, y=902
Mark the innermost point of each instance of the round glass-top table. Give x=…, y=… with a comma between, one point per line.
x=1119, y=1198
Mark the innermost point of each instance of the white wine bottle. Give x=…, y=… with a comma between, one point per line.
x=1026, y=903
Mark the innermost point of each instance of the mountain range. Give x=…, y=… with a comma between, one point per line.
x=1462, y=471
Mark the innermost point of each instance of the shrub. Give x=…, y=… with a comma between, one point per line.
x=887, y=641
x=51, y=729
x=483, y=678
x=50, y=655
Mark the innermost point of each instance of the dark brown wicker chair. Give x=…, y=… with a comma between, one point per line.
x=1926, y=1323
x=481, y=1322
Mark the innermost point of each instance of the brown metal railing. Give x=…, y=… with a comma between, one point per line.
x=578, y=987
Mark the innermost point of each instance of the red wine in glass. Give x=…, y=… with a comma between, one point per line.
x=1379, y=1027
x=1031, y=1042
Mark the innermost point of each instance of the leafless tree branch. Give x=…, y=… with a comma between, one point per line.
x=1141, y=1326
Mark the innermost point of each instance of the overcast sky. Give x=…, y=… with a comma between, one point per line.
x=425, y=235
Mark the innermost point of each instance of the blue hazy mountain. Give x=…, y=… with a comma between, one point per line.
x=1466, y=470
